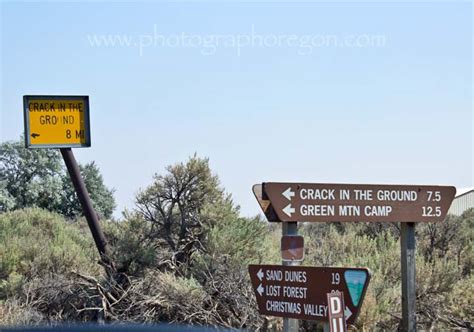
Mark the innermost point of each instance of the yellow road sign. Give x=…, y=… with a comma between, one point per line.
x=56, y=121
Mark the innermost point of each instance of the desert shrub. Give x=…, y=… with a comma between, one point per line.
x=175, y=206
x=133, y=248
x=465, y=252
x=326, y=245
x=37, y=243
x=54, y=298
x=16, y=312
x=435, y=281
x=460, y=308
x=216, y=275
x=243, y=241
x=181, y=299
x=221, y=267
x=187, y=237
x=443, y=261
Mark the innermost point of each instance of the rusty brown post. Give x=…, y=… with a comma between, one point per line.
x=86, y=203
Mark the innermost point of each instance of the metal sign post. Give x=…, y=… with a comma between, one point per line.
x=86, y=203
x=290, y=228
x=407, y=244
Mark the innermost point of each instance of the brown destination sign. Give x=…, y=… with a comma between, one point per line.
x=353, y=202
x=301, y=291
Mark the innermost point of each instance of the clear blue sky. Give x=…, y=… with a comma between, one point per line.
x=342, y=109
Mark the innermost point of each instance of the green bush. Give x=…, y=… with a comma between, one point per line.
x=327, y=245
x=38, y=178
x=37, y=243
x=221, y=268
x=133, y=249
x=244, y=241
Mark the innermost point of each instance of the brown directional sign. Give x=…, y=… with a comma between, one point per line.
x=301, y=291
x=354, y=202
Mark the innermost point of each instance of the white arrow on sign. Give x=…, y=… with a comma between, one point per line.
x=288, y=193
x=289, y=210
x=260, y=274
x=260, y=289
x=347, y=313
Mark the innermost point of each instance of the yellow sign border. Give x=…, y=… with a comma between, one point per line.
x=26, y=117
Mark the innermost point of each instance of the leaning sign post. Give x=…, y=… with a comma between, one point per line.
x=63, y=122
x=320, y=202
